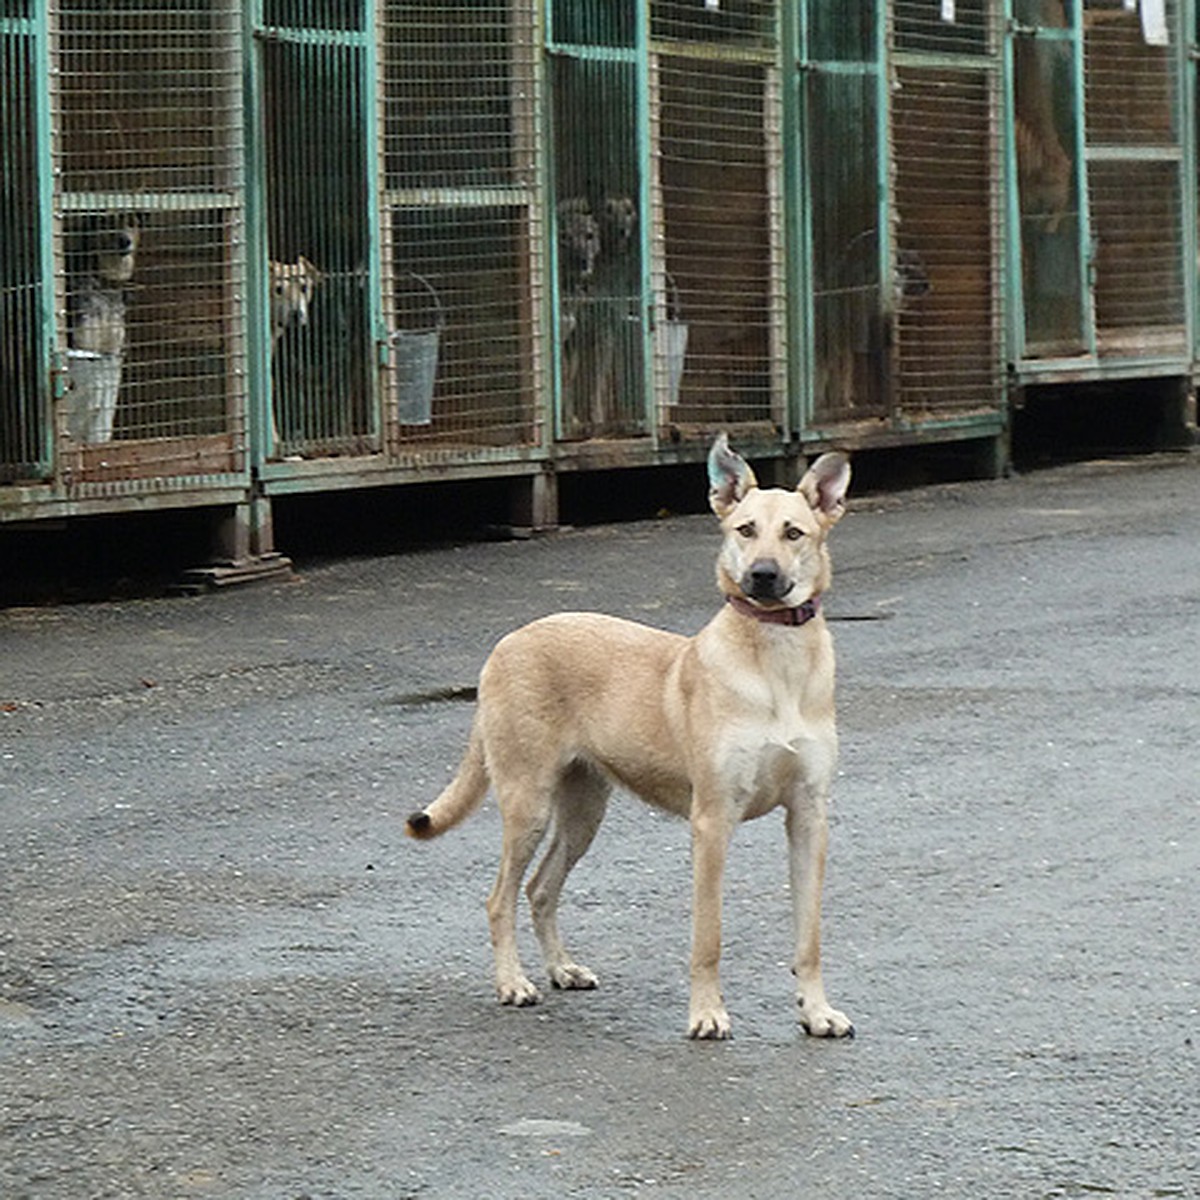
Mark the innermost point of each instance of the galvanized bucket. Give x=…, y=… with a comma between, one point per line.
x=91, y=401
x=416, y=364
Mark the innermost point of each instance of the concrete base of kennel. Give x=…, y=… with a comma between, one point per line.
x=243, y=550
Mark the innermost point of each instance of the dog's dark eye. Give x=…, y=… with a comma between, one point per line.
x=794, y=533
x=747, y=531
x=279, y=289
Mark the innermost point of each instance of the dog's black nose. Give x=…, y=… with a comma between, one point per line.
x=762, y=580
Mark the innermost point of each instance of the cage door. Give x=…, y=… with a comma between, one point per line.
x=24, y=349
x=945, y=207
x=1047, y=141
x=316, y=82
x=1135, y=160
x=600, y=314
x=850, y=360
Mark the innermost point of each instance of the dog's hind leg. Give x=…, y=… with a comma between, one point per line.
x=580, y=801
x=526, y=812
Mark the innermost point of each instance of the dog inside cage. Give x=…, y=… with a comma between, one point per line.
x=154, y=342
x=293, y=286
x=599, y=291
x=592, y=248
x=599, y=260
x=322, y=382
x=101, y=258
x=149, y=240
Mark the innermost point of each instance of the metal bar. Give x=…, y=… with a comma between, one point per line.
x=258, y=373
x=645, y=152
x=710, y=52
x=149, y=201
x=1189, y=79
x=833, y=66
x=372, y=135
x=886, y=210
x=547, y=131
x=1134, y=154
x=1012, y=201
x=543, y=311
x=777, y=243
x=941, y=61
x=50, y=373
x=457, y=197
x=584, y=53
x=1087, y=250
x=294, y=36
x=798, y=311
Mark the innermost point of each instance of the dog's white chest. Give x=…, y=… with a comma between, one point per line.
x=766, y=766
x=775, y=734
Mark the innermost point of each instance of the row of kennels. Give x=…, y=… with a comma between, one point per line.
x=296, y=242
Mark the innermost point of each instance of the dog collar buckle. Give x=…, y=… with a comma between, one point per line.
x=800, y=614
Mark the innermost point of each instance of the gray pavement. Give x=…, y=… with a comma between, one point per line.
x=225, y=973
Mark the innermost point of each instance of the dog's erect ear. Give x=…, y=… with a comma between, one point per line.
x=824, y=485
x=729, y=477
x=312, y=271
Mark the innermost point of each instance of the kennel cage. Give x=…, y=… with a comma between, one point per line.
x=717, y=115
x=463, y=228
x=668, y=244
x=315, y=86
x=146, y=108
x=947, y=283
x=901, y=172
x=600, y=320
x=1099, y=150
x=846, y=373
x=26, y=301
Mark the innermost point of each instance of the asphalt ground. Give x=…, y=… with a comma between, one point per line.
x=224, y=972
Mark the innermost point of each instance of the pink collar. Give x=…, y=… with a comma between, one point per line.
x=801, y=614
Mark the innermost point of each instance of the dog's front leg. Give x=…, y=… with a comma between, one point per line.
x=808, y=837
x=707, y=1017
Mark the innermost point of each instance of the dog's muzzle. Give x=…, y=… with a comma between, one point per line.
x=765, y=581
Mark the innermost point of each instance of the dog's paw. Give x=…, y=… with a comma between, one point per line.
x=709, y=1024
x=518, y=992
x=820, y=1020
x=571, y=977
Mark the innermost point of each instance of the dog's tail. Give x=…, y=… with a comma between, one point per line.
x=461, y=797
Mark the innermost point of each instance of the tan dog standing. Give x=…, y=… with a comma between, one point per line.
x=718, y=728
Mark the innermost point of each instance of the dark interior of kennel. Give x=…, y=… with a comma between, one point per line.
x=317, y=182
x=850, y=341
